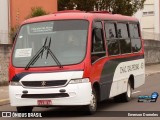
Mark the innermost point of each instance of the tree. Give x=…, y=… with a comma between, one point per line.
x=84, y=5
x=65, y=4
x=36, y=11
x=124, y=7
x=13, y=32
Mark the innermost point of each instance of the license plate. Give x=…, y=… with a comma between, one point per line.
x=44, y=102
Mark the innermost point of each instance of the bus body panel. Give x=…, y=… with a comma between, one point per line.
x=75, y=91
x=79, y=94
x=122, y=74
x=111, y=73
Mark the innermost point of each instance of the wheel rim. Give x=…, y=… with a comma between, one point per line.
x=93, y=102
x=129, y=91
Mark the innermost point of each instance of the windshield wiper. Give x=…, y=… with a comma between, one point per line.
x=36, y=56
x=40, y=52
x=52, y=54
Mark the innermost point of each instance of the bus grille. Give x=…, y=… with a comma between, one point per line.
x=54, y=83
x=56, y=95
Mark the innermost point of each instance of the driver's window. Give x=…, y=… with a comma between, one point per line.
x=98, y=48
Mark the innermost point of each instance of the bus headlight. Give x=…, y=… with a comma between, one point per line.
x=76, y=81
x=15, y=83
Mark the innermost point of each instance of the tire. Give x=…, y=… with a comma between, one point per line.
x=125, y=97
x=25, y=109
x=128, y=95
x=92, y=107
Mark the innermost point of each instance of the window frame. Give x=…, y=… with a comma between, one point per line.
x=129, y=38
x=18, y=32
x=116, y=38
x=129, y=35
x=139, y=33
x=103, y=40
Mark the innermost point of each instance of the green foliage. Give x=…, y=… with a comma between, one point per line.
x=13, y=32
x=125, y=7
x=36, y=11
x=65, y=4
x=85, y=5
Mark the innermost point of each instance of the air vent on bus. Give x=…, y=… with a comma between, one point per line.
x=55, y=95
x=53, y=83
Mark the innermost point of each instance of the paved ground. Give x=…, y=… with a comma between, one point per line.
x=4, y=99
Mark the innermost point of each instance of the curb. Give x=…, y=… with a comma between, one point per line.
x=152, y=73
x=4, y=102
x=3, y=83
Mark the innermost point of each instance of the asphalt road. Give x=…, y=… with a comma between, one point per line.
x=152, y=85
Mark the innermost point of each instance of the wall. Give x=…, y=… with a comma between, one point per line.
x=20, y=9
x=4, y=24
x=146, y=19
x=152, y=51
x=157, y=16
x=149, y=18
x=5, y=50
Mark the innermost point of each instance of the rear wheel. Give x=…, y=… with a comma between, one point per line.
x=128, y=95
x=25, y=109
x=92, y=107
x=125, y=97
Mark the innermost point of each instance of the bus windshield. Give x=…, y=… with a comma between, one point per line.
x=66, y=39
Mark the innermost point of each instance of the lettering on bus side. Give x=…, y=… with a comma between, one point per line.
x=130, y=68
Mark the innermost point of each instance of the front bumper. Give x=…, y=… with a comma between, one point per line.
x=79, y=94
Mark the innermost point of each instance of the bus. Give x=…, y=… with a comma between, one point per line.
x=75, y=58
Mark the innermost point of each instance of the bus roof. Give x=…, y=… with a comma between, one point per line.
x=76, y=14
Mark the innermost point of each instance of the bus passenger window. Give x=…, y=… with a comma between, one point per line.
x=135, y=37
x=111, y=35
x=113, y=47
x=98, y=48
x=119, y=33
x=112, y=42
x=123, y=36
x=110, y=30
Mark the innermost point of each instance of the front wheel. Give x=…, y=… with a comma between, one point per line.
x=92, y=107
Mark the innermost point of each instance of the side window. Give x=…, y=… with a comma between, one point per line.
x=110, y=30
x=135, y=37
x=112, y=41
x=98, y=48
x=123, y=36
x=122, y=30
